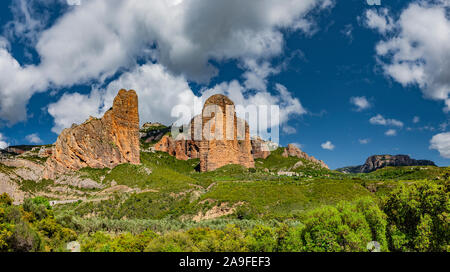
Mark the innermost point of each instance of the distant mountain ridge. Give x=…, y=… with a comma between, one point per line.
x=379, y=161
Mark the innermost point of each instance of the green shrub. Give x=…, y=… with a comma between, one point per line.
x=418, y=217
x=5, y=199
x=262, y=239
x=39, y=207
x=346, y=227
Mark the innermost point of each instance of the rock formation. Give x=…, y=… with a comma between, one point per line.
x=99, y=143
x=379, y=161
x=180, y=148
x=217, y=137
x=152, y=132
x=225, y=139
x=293, y=151
x=260, y=148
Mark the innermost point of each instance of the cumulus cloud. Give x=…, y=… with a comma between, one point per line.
x=95, y=40
x=17, y=85
x=155, y=105
x=31, y=17
x=33, y=138
x=441, y=142
x=360, y=102
x=416, y=119
x=380, y=120
x=417, y=49
x=3, y=143
x=289, y=130
x=379, y=19
x=257, y=74
x=75, y=108
x=328, y=145
x=391, y=132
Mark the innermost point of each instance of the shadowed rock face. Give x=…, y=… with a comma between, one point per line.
x=179, y=148
x=261, y=149
x=99, y=143
x=379, y=161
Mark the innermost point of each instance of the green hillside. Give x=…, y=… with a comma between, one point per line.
x=164, y=204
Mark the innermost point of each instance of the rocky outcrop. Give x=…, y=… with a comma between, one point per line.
x=208, y=139
x=99, y=143
x=152, y=132
x=44, y=151
x=379, y=161
x=24, y=169
x=11, y=188
x=180, y=148
x=261, y=149
x=220, y=145
x=292, y=151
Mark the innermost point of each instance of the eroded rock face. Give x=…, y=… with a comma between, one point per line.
x=215, y=145
x=225, y=138
x=260, y=148
x=99, y=143
x=11, y=188
x=180, y=148
x=379, y=161
x=292, y=151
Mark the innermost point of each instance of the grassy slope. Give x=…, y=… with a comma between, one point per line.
x=180, y=191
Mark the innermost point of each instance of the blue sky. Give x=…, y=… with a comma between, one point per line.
x=323, y=53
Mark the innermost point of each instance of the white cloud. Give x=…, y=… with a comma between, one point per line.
x=380, y=120
x=441, y=142
x=28, y=19
x=417, y=49
x=391, y=132
x=157, y=89
x=416, y=119
x=379, y=19
x=17, y=85
x=155, y=105
x=289, y=130
x=364, y=141
x=3, y=143
x=33, y=138
x=257, y=73
x=327, y=145
x=299, y=145
x=95, y=40
x=74, y=109
x=360, y=102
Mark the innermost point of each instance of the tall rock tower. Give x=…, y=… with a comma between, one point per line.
x=225, y=138
x=99, y=143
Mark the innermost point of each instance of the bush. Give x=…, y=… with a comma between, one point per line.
x=39, y=207
x=24, y=239
x=5, y=199
x=418, y=217
x=346, y=227
x=262, y=239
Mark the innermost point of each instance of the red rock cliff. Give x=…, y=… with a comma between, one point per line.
x=99, y=143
